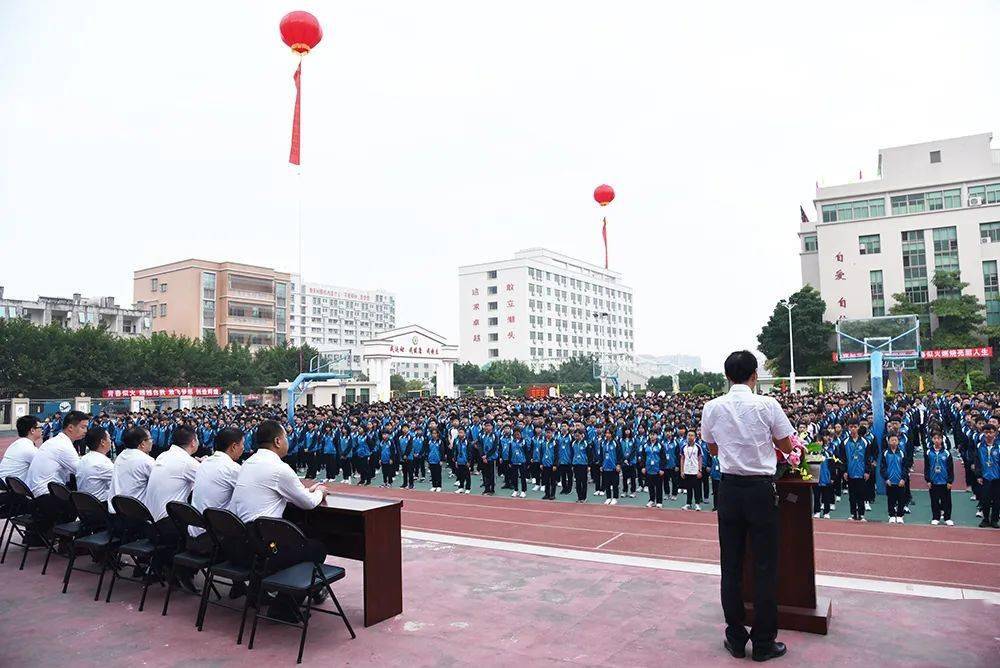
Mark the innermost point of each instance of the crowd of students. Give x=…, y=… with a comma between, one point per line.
x=609, y=446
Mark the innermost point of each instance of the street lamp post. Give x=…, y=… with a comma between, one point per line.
x=791, y=349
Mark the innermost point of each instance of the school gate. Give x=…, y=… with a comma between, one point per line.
x=411, y=343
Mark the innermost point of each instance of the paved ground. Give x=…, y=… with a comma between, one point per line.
x=468, y=606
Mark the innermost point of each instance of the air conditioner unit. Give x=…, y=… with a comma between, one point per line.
x=985, y=240
x=975, y=201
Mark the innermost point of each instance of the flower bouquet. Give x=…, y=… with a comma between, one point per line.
x=795, y=463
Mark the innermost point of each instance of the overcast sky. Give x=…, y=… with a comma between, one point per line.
x=444, y=133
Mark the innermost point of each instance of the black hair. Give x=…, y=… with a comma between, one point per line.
x=74, y=418
x=740, y=365
x=94, y=437
x=182, y=436
x=134, y=437
x=267, y=432
x=227, y=437
x=25, y=424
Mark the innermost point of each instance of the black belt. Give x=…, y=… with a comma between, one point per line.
x=747, y=478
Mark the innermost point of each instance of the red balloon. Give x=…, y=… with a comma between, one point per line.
x=300, y=31
x=603, y=194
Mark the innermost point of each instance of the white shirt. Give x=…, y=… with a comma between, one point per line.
x=130, y=475
x=266, y=485
x=692, y=459
x=214, y=484
x=171, y=479
x=55, y=461
x=93, y=475
x=745, y=425
x=17, y=459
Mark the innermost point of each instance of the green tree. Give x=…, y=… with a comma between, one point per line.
x=660, y=384
x=716, y=382
x=812, y=336
x=702, y=389
x=397, y=383
x=468, y=373
x=960, y=322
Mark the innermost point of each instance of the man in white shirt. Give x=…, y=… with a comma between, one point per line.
x=216, y=477
x=57, y=459
x=172, y=477
x=93, y=475
x=744, y=428
x=17, y=458
x=132, y=466
x=264, y=487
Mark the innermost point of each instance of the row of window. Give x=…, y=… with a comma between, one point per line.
x=871, y=244
x=574, y=283
x=936, y=200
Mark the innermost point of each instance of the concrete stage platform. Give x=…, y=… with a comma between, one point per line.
x=481, y=606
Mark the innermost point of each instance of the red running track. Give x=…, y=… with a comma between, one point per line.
x=945, y=556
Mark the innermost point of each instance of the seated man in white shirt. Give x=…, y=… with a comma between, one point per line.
x=17, y=458
x=172, y=477
x=55, y=461
x=266, y=485
x=93, y=475
x=132, y=466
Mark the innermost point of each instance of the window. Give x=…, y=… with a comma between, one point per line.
x=858, y=210
x=491, y=290
x=251, y=284
x=163, y=287
x=491, y=274
x=256, y=311
x=152, y=311
x=935, y=156
x=493, y=336
x=280, y=292
x=946, y=249
x=903, y=204
x=492, y=322
x=494, y=352
x=207, y=285
x=492, y=306
x=154, y=284
x=931, y=201
x=987, y=194
x=992, y=292
x=207, y=312
x=207, y=332
x=163, y=310
x=915, y=266
x=878, y=293
x=869, y=244
x=251, y=338
x=811, y=244
x=990, y=231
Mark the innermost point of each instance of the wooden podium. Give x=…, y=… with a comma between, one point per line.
x=798, y=607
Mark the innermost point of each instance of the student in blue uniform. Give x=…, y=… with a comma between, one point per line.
x=716, y=474
x=855, y=455
x=406, y=457
x=893, y=470
x=331, y=460
x=939, y=472
x=434, y=450
x=361, y=457
x=548, y=463
x=419, y=454
x=581, y=460
x=564, y=454
x=345, y=453
x=517, y=453
x=610, y=455
x=672, y=478
x=823, y=491
x=503, y=459
x=488, y=451
x=386, y=454
x=988, y=474
x=463, y=453
x=629, y=453
x=653, y=469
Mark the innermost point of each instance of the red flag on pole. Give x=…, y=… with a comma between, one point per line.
x=604, y=233
x=293, y=156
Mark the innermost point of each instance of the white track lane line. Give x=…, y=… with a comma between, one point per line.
x=856, y=584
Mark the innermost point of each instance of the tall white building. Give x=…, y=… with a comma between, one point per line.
x=542, y=307
x=329, y=317
x=934, y=206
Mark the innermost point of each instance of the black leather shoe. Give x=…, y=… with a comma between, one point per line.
x=737, y=651
x=775, y=650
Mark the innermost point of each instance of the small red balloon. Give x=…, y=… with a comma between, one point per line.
x=603, y=194
x=300, y=31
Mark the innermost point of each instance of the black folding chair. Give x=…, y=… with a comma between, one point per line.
x=96, y=539
x=142, y=542
x=27, y=523
x=7, y=506
x=184, y=516
x=297, y=583
x=238, y=550
x=62, y=514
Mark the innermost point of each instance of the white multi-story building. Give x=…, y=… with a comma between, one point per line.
x=934, y=206
x=77, y=312
x=329, y=318
x=542, y=307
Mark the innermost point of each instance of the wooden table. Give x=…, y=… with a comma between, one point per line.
x=368, y=530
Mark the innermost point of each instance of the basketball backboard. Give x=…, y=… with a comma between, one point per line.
x=897, y=337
